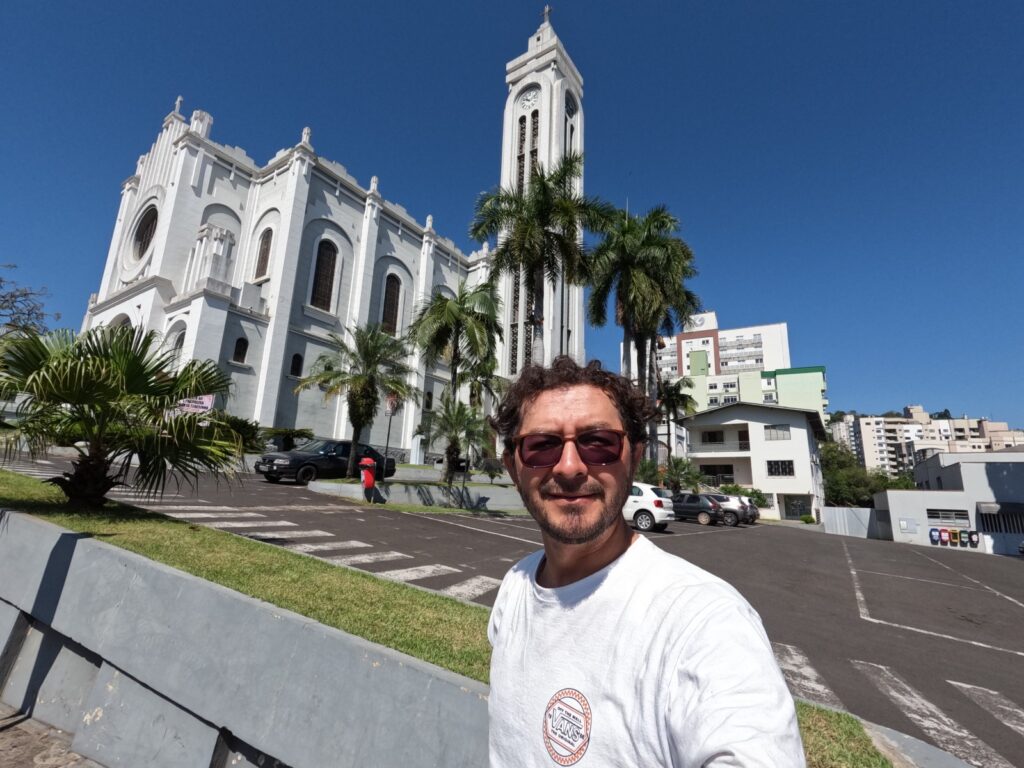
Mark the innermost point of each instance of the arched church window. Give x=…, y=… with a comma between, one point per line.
x=241, y=350
x=263, y=255
x=534, y=138
x=296, y=367
x=392, y=290
x=521, y=154
x=323, y=275
x=144, y=232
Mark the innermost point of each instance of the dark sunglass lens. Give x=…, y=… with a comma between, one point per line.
x=540, y=450
x=600, y=446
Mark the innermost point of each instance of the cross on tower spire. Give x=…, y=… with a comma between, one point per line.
x=547, y=14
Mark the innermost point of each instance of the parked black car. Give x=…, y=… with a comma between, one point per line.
x=697, y=506
x=319, y=458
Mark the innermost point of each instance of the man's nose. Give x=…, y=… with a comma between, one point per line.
x=570, y=464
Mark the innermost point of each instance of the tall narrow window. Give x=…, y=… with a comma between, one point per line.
x=534, y=138
x=296, y=367
x=323, y=275
x=144, y=232
x=392, y=288
x=428, y=401
x=241, y=350
x=521, y=154
x=263, y=256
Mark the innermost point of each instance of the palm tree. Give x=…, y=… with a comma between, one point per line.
x=681, y=473
x=644, y=264
x=459, y=329
x=675, y=401
x=483, y=379
x=114, y=393
x=372, y=366
x=460, y=426
x=539, y=232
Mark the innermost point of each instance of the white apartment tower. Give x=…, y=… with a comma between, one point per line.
x=543, y=122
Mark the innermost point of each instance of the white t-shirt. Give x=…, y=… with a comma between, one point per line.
x=651, y=661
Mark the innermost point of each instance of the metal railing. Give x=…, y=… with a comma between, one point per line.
x=729, y=446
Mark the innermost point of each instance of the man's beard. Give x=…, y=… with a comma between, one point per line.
x=575, y=529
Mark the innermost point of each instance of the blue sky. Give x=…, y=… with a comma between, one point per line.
x=853, y=169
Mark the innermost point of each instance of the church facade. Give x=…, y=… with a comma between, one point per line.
x=252, y=266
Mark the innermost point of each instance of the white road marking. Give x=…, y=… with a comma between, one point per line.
x=471, y=528
x=1004, y=710
x=168, y=508
x=370, y=557
x=252, y=524
x=863, y=610
x=946, y=732
x=470, y=589
x=327, y=546
x=803, y=679
x=271, y=535
x=982, y=584
x=419, y=572
x=210, y=515
x=915, y=578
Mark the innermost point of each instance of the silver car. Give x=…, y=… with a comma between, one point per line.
x=734, y=510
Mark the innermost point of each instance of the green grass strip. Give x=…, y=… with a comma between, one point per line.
x=431, y=627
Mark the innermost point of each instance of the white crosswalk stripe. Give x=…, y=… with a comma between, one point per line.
x=327, y=546
x=470, y=589
x=943, y=730
x=274, y=535
x=369, y=557
x=803, y=679
x=251, y=524
x=418, y=572
x=1004, y=710
x=210, y=515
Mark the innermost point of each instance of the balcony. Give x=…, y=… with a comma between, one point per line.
x=729, y=446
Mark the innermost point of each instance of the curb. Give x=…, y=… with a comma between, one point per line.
x=907, y=752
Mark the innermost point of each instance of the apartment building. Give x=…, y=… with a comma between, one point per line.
x=897, y=444
x=705, y=349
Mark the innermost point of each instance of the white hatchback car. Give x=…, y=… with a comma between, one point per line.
x=649, y=507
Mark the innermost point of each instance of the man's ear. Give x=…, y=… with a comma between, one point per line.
x=509, y=460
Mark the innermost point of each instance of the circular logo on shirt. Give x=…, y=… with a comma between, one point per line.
x=567, y=726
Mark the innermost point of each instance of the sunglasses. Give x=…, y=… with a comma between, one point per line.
x=595, y=447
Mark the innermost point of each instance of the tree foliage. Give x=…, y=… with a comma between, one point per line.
x=461, y=329
x=113, y=393
x=539, y=233
x=848, y=484
x=461, y=427
x=21, y=308
x=682, y=474
x=372, y=366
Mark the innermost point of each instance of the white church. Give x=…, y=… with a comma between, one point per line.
x=252, y=266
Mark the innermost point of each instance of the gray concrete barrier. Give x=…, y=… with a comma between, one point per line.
x=147, y=665
x=482, y=498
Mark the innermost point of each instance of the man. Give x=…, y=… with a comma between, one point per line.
x=607, y=650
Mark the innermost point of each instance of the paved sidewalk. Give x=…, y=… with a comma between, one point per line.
x=26, y=743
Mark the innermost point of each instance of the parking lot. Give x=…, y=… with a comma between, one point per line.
x=927, y=641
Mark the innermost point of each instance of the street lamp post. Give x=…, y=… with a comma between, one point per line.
x=389, y=409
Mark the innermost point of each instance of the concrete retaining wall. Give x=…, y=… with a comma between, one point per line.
x=862, y=522
x=147, y=665
x=477, y=497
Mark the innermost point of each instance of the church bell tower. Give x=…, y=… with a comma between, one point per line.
x=543, y=122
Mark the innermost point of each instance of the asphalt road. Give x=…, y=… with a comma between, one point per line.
x=926, y=641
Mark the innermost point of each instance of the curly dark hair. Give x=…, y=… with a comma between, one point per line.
x=633, y=406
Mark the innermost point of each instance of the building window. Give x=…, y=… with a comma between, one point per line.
x=392, y=288
x=783, y=468
x=534, y=138
x=144, y=232
x=428, y=401
x=714, y=436
x=949, y=517
x=713, y=400
x=776, y=432
x=729, y=399
x=323, y=275
x=712, y=386
x=521, y=154
x=296, y=367
x=263, y=255
x=241, y=350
